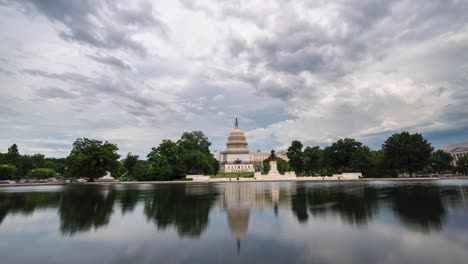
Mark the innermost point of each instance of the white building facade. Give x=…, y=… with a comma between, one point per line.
x=236, y=156
x=456, y=150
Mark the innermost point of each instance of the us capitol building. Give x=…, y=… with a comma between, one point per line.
x=238, y=158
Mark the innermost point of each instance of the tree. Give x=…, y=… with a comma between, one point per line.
x=141, y=171
x=195, y=153
x=407, y=152
x=462, y=164
x=312, y=159
x=7, y=171
x=376, y=166
x=24, y=164
x=41, y=173
x=341, y=155
x=194, y=140
x=12, y=153
x=92, y=158
x=57, y=164
x=129, y=163
x=440, y=161
x=14, y=158
x=361, y=160
x=165, y=161
x=38, y=160
x=295, y=154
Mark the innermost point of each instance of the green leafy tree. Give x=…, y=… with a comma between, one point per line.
x=194, y=140
x=165, y=161
x=407, y=152
x=41, y=173
x=38, y=160
x=13, y=154
x=377, y=166
x=141, y=171
x=441, y=161
x=13, y=157
x=346, y=154
x=312, y=158
x=57, y=164
x=462, y=164
x=129, y=163
x=195, y=153
x=92, y=158
x=295, y=154
x=24, y=165
x=7, y=171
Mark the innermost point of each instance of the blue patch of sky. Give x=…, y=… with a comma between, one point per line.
x=437, y=138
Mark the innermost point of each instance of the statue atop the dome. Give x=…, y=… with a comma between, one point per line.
x=236, y=124
x=273, y=155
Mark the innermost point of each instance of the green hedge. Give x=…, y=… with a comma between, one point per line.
x=233, y=175
x=41, y=173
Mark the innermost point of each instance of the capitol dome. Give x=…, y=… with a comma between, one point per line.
x=237, y=143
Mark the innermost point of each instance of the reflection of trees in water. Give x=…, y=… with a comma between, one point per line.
x=175, y=205
x=82, y=208
x=128, y=199
x=356, y=205
x=299, y=204
x=26, y=202
x=419, y=207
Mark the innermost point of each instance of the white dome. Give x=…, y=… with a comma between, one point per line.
x=237, y=143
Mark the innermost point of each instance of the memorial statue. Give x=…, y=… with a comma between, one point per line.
x=272, y=156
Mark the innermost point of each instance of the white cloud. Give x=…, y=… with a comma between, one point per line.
x=314, y=71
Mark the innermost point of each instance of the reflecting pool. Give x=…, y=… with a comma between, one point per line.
x=269, y=222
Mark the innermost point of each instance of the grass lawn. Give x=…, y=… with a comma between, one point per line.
x=233, y=175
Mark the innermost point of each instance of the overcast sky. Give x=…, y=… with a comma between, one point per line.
x=136, y=72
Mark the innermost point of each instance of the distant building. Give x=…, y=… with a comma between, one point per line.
x=236, y=156
x=456, y=150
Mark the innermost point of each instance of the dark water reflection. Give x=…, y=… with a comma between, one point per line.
x=356, y=222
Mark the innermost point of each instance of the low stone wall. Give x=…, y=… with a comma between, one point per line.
x=289, y=175
x=198, y=177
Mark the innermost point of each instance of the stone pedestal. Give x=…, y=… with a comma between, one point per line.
x=273, y=169
x=274, y=174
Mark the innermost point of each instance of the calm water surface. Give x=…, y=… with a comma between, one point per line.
x=359, y=222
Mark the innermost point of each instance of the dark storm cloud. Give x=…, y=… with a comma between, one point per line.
x=101, y=24
x=111, y=60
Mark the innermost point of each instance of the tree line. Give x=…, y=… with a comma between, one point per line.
x=171, y=160
x=401, y=153
x=14, y=166
x=90, y=158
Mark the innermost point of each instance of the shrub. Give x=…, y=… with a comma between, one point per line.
x=41, y=173
x=7, y=171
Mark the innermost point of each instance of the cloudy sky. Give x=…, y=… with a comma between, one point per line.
x=137, y=72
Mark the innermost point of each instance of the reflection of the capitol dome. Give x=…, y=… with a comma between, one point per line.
x=239, y=198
